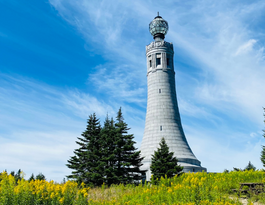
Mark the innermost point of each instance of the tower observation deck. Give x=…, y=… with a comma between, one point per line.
x=162, y=115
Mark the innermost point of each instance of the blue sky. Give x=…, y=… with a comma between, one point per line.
x=62, y=60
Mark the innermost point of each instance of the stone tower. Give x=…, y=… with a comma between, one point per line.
x=162, y=116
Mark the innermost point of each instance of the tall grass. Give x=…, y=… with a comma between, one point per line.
x=190, y=188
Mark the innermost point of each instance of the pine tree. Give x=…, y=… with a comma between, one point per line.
x=128, y=160
x=163, y=163
x=262, y=157
x=86, y=163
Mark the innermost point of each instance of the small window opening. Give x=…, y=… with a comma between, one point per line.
x=193, y=170
x=160, y=128
x=168, y=62
x=158, y=61
x=159, y=90
x=150, y=63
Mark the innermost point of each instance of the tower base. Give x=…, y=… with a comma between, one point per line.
x=186, y=168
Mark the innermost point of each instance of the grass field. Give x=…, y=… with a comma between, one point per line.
x=189, y=188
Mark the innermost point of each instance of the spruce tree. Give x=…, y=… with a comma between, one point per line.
x=163, y=163
x=262, y=157
x=128, y=159
x=250, y=166
x=108, y=135
x=86, y=163
x=18, y=175
x=32, y=177
x=40, y=176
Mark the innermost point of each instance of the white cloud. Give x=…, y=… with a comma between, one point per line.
x=246, y=47
x=41, y=124
x=218, y=151
x=38, y=151
x=229, y=81
x=122, y=84
x=83, y=104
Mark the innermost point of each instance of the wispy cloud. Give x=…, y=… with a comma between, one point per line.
x=40, y=124
x=121, y=84
x=229, y=80
x=248, y=46
x=217, y=150
x=83, y=104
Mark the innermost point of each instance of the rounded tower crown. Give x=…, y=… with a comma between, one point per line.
x=158, y=27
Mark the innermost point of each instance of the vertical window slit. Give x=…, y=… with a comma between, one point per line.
x=161, y=128
x=159, y=91
x=158, y=61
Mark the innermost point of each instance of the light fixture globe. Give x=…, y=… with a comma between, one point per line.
x=158, y=27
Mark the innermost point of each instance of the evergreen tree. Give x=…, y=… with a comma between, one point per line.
x=262, y=157
x=108, y=135
x=32, y=177
x=86, y=163
x=18, y=175
x=237, y=169
x=128, y=160
x=163, y=163
x=106, y=155
x=250, y=166
x=40, y=176
x=12, y=173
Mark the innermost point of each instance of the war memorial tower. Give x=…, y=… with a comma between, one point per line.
x=162, y=115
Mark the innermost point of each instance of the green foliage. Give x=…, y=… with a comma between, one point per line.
x=40, y=176
x=250, y=166
x=40, y=192
x=17, y=176
x=108, y=134
x=106, y=155
x=163, y=163
x=128, y=160
x=32, y=177
x=237, y=169
x=188, y=189
x=262, y=157
x=226, y=171
x=86, y=163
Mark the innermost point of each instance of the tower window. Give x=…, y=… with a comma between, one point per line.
x=159, y=90
x=150, y=63
x=158, y=61
x=168, y=62
x=160, y=128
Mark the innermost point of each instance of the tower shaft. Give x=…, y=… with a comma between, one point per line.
x=162, y=116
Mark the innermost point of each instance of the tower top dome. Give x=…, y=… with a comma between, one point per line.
x=158, y=27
